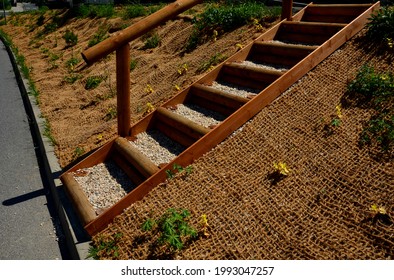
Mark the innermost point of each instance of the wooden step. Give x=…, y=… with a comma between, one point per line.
x=278, y=53
x=216, y=100
x=314, y=33
x=138, y=160
x=248, y=76
x=179, y=128
x=334, y=13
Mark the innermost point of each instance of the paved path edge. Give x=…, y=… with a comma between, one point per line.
x=76, y=239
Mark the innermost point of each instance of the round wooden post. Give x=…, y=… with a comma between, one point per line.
x=123, y=89
x=287, y=9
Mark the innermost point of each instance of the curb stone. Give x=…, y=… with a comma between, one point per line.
x=76, y=239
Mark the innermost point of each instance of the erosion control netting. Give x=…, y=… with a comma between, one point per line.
x=320, y=210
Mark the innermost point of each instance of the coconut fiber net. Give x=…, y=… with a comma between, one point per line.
x=336, y=202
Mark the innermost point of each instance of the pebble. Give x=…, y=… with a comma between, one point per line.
x=157, y=147
x=236, y=90
x=104, y=184
x=199, y=115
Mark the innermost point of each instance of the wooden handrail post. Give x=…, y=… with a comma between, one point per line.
x=287, y=9
x=123, y=89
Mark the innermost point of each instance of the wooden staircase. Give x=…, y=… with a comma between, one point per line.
x=264, y=69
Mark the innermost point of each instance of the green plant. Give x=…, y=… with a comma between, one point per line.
x=71, y=63
x=72, y=78
x=111, y=114
x=92, y=11
x=133, y=64
x=70, y=38
x=93, y=82
x=78, y=152
x=133, y=11
x=48, y=134
x=152, y=42
x=227, y=17
x=213, y=61
x=176, y=168
x=381, y=26
x=99, y=36
x=105, y=247
x=375, y=90
x=172, y=229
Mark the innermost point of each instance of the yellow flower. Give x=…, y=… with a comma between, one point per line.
x=149, y=108
x=183, y=69
x=239, y=46
x=149, y=89
x=204, y=220
x=215, y=35
x=338, y=108
x=282, y=168
x=177, y=87
x=378, y=210
x=99, y=137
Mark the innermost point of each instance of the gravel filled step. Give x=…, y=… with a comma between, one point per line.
x=104, y=184
x=155, y=145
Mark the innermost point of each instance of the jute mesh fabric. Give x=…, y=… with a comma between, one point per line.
x=321, y=210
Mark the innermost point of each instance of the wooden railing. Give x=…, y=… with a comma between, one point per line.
x=119, y=42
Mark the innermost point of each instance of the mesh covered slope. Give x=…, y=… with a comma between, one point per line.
x=321, y=210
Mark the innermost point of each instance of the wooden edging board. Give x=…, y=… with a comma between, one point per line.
x=238, y=118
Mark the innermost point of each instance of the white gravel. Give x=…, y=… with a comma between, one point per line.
x=235, y=90
x=281, y=68
x=157, y=147
x=199, y=115
x=104, y=184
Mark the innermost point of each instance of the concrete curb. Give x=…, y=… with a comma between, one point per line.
x=76, y=239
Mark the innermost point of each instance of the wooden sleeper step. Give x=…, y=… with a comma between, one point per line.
x=334, y=13
x=248, y=76
x=215, y=99
x=141, y=162
x=276, y=53
x=315, y=33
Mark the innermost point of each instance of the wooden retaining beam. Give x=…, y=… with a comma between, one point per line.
x=142, y=163
x=216, y=100
x=235, y=120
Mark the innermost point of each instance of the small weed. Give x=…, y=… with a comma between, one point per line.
x=133, y=64
x=94, y=11
x=78, y=152
x=183, y=69
x=172, y=228
x=381, y=27
x=111, y=114
x=72, y=78
x=70, y=38
x=48, y=134
x=93, y=82
x=379, y=213
x=176, y=168
x=152, y=42
x=212, y=62
x=71, y=63
x=280, y=172
x=99, y=36
x=105, y=248
x=40, y=20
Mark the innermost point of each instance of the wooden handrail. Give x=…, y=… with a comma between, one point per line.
x=136, y=30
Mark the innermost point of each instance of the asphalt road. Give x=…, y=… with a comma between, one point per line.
x=28, y=226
